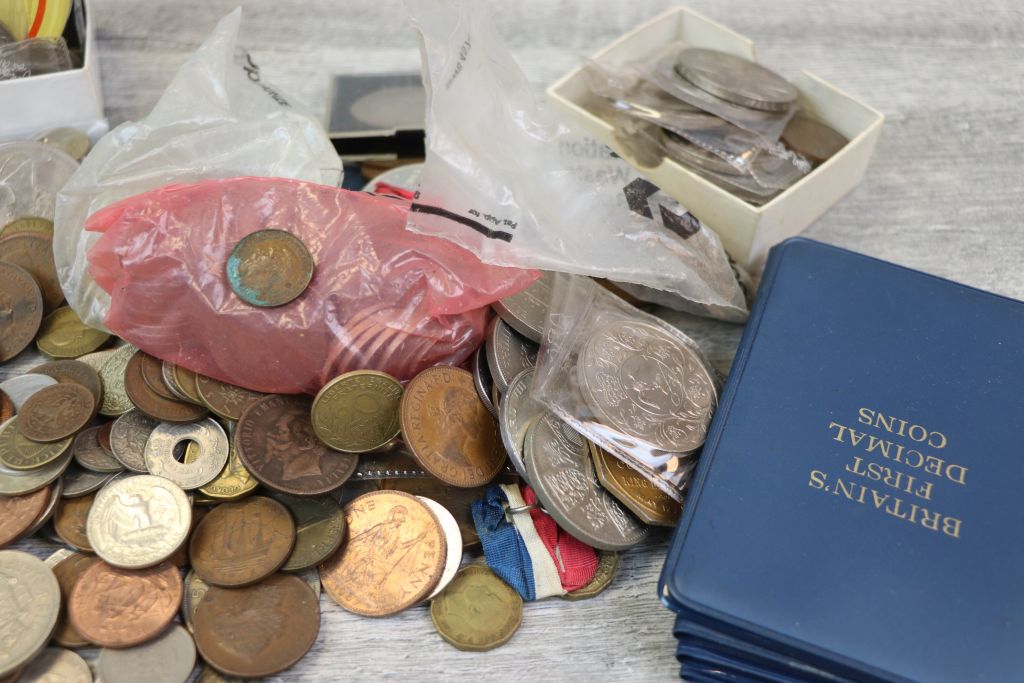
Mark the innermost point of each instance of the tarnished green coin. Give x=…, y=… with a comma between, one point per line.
x=18, y=453
x=64, y=335
x=269, y=268
x=607, y=568
x=358, y=411
x=43, y=226
x=319, y=529
x=477, y=611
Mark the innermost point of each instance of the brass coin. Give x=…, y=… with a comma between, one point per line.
x=55, y=413
x=455, y=499
x=238, y=544
x=70, y=522
x=19, y=482
x=477, y=611
x=358, y=411
x=41, y=226
x=394, y=556
x=22, y=304
x=90, y=454
x=74, y=372
x=319, y=529
x=19, y=513
x=225, y=400
x=115, y=400
x=260, y=630
x=18, y=453
x=269, y=268
x=64, y=335
x=68, y=566
x=114, y=607
x=152, y=403
x=6, y=407
x=644, y=499
x=275, y=440
x=187, y=382
x=234, y=481
x=607, y=568
x=449, y=430
x=34, y=253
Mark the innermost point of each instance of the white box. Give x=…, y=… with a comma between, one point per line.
x=747, y=231
x=33, y=105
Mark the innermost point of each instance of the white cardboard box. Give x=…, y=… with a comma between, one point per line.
x=33, y=105
x=747, y=231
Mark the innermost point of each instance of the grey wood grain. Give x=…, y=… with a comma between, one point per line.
x=943, y=194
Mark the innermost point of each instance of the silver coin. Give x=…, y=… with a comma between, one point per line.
x=128, y=438
x=81, y=482
x=71, y=141
x=115, y=398
x=19, y=389
x=137, y=522
x=453, y=539
x=90, y=455
x=482, y=380
x=685, y=152
x=167, y=659
x=51, y=507
x=647, y=384
x=29, y=607
x=213, y=452
x=736, y=80
x=167, y=372
x=562, y=474
x=517, y=411
x=195, y=589
x=508, y=353
x=20, y=482
x=526, y=311
x=57, y=665
x=59, y=556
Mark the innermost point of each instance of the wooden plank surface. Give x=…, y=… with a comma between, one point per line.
x=943, y=194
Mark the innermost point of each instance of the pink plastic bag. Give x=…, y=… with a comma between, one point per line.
x=381, y=297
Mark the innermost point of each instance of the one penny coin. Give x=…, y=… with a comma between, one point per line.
x=448, y=428
x=152, y=403
x=22, y=306
x=241, y=543
x=225, y=400
x=477, y=611
x=277, y=444
x=18, y=513
x=68, y=566
x=56, y=412
x=394, y=556
x=269, y=268
x=114, y=607
x=70, y=522
x=260, y=630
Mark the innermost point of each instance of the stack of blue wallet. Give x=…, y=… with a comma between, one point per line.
x=857, y=511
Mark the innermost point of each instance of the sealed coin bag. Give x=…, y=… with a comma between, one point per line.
x=632, y=384
x=511, y=182
x=216, y=119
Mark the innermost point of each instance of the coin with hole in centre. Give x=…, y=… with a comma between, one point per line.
x=208, y=437
x=22, y=304
x=56, y=413
x=269, y=268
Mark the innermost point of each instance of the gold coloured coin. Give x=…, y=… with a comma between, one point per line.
x=607, y=568
x=43, y=226
x=18, y=453
x=64, y=335
x=234, y=481
x=477, y=611
x=358, y=411
x=644, y=499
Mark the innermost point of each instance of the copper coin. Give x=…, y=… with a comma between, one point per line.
x=153, y=375
x=277, y=444
x=185, y=380
x=225, y=400
x=56, y=412
x=269, y=268
x=6, y=407
x=180, y=557
x=260, y=630
x=114, y=607
x=238, y=544
x=448, y=428
x=19, y=513
x=21, y=310
x=103, y=436
x=812, y=138
x=152, y=403
x=457, y=500
x=394, y=556
x=68, y=567
x=34, y=253
x=70, y=521
x=75, y=372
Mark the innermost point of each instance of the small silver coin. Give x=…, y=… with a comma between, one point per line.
x=79, y=482
x=526, y=311
x=167, y=659
x=735, y=79
x=128, y=438
x=560, y=469
x=195, y=589
x=508, y=353
x=453, y=539
x=51, y=507
x=167, y=372
x=20, y=482
x=29, y=607
x=213, y=452
x=89, y=454
x=19, y=389
x=482, y=380
x=57, y=665
x=517, y=411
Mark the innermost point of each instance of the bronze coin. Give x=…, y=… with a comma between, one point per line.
x=34, y=253
x=186, y=380
x=153, y=375
x=152, y=403
x=114, y=607
x=180, y=557
x=70, y=519
x=225, y=400
x=812, y=138
x=75, y=372
x=269, y=268
x=68, y=571
x=6, y=407
x=238, y=544
x=22, y=306
x=103, y=436
x=457, y=500
x=277, y=444
x=448, y=428
x=19, y=513
x=260, y=630
x=394, y=556
x=56, y=412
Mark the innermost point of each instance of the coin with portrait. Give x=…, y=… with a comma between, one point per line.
x=477, y=611
x=269, y=268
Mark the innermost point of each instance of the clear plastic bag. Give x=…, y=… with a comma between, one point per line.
x=217, y=119
x=381, y=297
x=31, y=174
x=626, y=380
x=511, y=182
